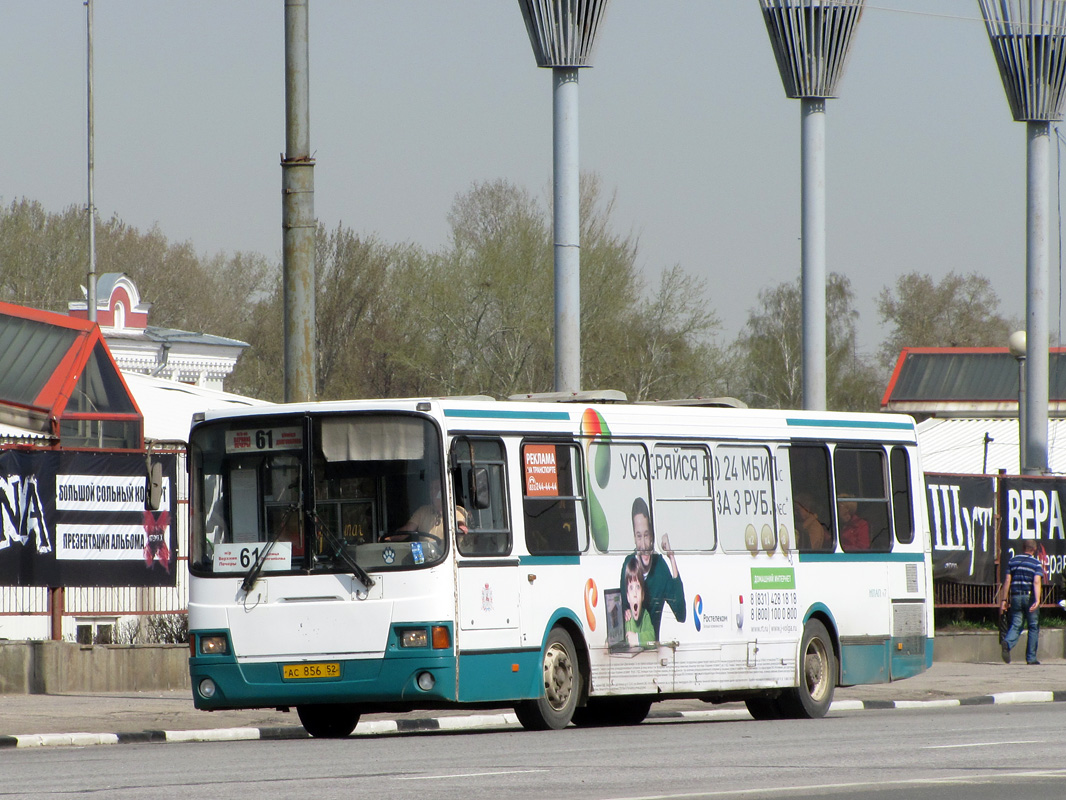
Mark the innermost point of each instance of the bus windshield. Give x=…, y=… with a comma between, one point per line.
x=321, y=493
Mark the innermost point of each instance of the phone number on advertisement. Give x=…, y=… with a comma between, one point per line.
x=766, y=606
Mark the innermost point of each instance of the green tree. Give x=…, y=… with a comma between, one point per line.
x=476, y=317
x=667, y=348
x=43, y=256
x=771, y=346
x=959, y=311
x=491, y=294
x=187, y=290
x=489, y=297
x=365, y=332
x=44, y=264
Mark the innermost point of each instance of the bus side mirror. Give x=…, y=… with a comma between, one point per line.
x=153, y=497
x=479, y=487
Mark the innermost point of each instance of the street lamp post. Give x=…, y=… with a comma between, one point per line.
x=1016, y=344
x=811, y=40
x=562, y=33
x=1029, y=44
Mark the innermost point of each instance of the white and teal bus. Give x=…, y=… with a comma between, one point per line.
x=576, y=561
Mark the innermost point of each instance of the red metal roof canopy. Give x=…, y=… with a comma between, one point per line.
x=57, y=377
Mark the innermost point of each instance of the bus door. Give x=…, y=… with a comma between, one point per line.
x=554, y=522
x=761, y=587
x=488, y=616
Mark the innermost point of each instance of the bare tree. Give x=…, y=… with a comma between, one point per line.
x=772, y=350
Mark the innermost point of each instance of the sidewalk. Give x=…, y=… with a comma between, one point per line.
x=81, y=719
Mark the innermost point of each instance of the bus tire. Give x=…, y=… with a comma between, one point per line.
x=328, y=721
x=763, y=707
x=817, y=676
x=602, y=712
x=554, y=709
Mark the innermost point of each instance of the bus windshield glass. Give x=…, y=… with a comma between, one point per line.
x=321, y=493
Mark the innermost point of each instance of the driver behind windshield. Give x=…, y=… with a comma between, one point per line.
x=429, y=518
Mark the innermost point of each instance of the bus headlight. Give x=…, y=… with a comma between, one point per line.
x=425, y=681
x=414, y=637
x=214, y=645
x=207, y=688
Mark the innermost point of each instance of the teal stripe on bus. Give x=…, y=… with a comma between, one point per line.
x=847, y=423
x=837, y=558
x=501, y=413
x=544, y=561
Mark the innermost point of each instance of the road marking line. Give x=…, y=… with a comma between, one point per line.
x=982, y=744
x=466, y=775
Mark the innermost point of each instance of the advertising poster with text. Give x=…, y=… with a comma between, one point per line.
x=79, y=519
x=1032, y=508
x=963, y=527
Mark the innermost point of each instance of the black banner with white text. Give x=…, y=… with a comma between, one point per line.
x=79, y=519
x=966, y=531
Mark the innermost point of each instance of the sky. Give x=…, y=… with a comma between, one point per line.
x=683, y=117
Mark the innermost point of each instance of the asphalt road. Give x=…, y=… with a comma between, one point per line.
x=23, y=717
x=950, y=753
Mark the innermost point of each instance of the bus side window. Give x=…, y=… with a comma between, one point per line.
x=683, y=503
x=553, y=507
x=812, y=505
x=488, y=528
x=862, y=500
x=902, y=512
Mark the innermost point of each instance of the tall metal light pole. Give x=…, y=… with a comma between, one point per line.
x=563, y=33
x=1017, y=347
x=1029, y=43
x=91, y=207
x=298, y=213
x=811, y=40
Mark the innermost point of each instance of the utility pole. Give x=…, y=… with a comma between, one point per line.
x=91, y=207
x=298, y=213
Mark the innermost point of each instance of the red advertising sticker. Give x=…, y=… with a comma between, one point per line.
x=541, y=474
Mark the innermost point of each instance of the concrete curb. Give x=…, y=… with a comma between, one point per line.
x=477, y=721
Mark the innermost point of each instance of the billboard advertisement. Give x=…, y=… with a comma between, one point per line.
x=79, y=519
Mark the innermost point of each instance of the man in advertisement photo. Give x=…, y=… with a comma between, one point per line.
x=662, y=581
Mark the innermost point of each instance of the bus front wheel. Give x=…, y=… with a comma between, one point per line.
x=328, y=721
x=817, y=676
x=561, y=687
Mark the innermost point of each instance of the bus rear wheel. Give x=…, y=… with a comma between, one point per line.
x=555, y=707
x=329, y=721
x=817, y=676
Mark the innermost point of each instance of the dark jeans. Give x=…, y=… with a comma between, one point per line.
x=1019, y=605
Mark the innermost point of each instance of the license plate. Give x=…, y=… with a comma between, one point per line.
x=329, y=669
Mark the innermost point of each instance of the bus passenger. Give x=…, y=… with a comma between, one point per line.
x=662, y=581
x=854, y=530
x=813, y=533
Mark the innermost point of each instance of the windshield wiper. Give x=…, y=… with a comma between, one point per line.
x=260, y=561
x=339, y=549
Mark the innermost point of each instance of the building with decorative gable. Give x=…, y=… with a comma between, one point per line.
x=196, y=358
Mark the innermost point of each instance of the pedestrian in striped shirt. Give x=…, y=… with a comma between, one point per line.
x=1022, y=590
